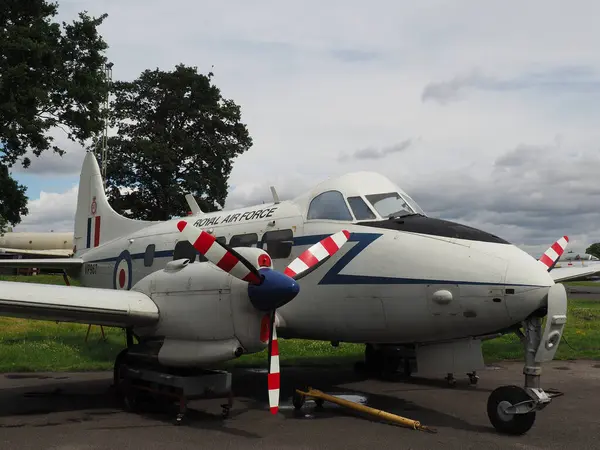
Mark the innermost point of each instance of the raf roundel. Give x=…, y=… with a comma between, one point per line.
x=122, y=272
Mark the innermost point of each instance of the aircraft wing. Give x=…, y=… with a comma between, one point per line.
x=95, y=306
x=43, y=263
x=56, y=252
x=573, y=273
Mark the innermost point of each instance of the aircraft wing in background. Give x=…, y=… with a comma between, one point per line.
x=574, y=273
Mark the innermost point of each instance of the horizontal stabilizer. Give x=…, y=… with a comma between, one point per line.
x=43, y=263
x=573, y=273
x=95, y=306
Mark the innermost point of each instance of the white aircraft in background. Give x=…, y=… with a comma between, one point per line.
x=37, y=244
x=577, y=259
x=359, y=258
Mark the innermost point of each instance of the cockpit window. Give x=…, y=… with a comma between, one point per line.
x=329, y=205
x=413, y=204
x=360, y=209
x=390, y=204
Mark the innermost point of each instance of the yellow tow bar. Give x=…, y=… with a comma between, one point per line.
x=414, y=424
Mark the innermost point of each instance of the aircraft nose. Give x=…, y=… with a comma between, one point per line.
x=527, y=285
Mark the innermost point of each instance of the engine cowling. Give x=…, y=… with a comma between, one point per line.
x=205, y=314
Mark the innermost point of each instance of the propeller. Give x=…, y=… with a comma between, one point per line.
x=268, y=289
x=554, y=252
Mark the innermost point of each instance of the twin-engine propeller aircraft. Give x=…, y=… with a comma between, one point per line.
x=372, y=268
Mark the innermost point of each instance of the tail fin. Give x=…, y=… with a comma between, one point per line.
x=95, y=221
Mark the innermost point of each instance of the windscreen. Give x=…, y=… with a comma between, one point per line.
x=392, y=204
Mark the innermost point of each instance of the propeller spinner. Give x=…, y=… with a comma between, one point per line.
x=268, y=289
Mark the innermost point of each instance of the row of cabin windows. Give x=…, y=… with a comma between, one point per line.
x=330, y=205
x=277, y=243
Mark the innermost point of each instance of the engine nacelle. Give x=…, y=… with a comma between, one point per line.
x=205, y=314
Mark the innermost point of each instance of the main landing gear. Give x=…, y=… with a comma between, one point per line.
x=386, y=361
x=137, y=383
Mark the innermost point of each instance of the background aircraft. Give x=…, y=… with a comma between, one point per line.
x=205, y=288
x=37, y=244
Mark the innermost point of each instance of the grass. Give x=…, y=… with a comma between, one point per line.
x=31, y=345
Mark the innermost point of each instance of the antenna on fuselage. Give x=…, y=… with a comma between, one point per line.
x=193, y=205
x=275, y=196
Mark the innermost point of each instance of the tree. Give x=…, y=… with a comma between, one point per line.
x=13, y=202
x=50, y=76
x=176, y=134
x=594, y=250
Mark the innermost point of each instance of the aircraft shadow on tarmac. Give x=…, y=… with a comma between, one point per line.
x=95, y=398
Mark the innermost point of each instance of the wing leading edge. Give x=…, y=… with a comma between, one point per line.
x=77, y=304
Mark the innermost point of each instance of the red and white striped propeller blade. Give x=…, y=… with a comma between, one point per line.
x=316, y=255
x=555, y=251
x=273, y=381
x=221, y=256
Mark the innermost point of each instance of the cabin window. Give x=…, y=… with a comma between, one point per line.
x=360, y=209
x=184, y=249
x=278, y=244
x=149, y=255
x=329, y=205
x=244, y=240
x=221, y=240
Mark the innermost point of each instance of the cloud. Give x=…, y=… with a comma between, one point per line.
x=532, y=195
x=52, y=164
x=52, y=211
x=553, y=81
x=353, y=56
x=373, y=153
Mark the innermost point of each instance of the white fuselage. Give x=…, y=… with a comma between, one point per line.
x=384, y=285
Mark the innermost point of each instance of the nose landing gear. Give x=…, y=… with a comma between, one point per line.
x=512, y=409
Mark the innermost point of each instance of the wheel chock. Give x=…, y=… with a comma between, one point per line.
x=403, y=421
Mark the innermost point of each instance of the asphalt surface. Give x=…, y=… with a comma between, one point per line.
x=78, y=411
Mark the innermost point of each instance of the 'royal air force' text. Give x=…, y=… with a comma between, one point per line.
x=237, y=217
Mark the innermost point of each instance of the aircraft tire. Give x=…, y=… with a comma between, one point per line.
x=119, y=363
x=513, y=424
x=373, y=359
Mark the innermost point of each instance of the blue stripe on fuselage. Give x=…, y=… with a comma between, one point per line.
x=333, y=276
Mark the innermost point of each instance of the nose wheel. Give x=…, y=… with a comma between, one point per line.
x=503, y=406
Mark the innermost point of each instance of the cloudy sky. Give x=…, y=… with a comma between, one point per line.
x=487, y=114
